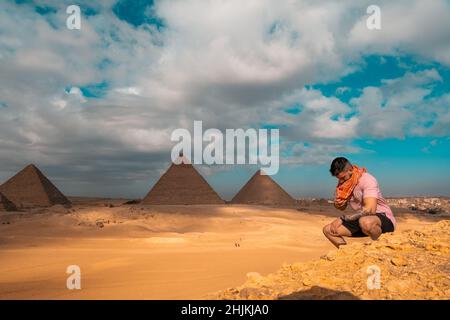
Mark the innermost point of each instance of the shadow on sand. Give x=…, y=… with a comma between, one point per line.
x=319, y=293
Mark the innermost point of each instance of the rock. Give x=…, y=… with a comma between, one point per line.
x=431, y=286
x=394, y=247
x=307, y=282
x=330, y=256
x=234, y=290
x=399, y=261
x=99, y=224
x=246, y=293
x=399, y=286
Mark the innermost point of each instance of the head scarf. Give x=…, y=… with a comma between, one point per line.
x=344, y=190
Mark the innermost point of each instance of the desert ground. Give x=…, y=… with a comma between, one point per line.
x=128, y=251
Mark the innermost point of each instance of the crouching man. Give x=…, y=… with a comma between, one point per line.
x=359, y=189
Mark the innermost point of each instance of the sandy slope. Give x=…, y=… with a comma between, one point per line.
x=154, y=252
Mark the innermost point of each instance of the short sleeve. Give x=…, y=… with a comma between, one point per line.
x=370, y=187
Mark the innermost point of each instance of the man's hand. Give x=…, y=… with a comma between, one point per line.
x=341, y=208
x=353, y=217
x=334, y=226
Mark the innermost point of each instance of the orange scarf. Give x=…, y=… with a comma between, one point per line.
x=344, y=190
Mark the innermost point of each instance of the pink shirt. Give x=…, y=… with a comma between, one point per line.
x=367, y=187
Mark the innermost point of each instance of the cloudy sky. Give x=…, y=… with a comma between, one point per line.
x=94, y=108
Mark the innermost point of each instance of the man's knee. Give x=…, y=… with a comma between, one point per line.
x=326, y=230
x=368, y=226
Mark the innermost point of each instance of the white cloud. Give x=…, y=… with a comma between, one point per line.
x=398, y=107
x=303, y=154
x=419, y=27
x=129, y=90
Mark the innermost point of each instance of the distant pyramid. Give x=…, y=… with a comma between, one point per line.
x=30, y=188
x=5, y=204
x=262, y=190
x=182, y=184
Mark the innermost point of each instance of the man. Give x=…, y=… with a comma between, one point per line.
x=359, y=189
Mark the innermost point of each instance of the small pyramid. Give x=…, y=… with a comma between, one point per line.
x=5, y=204
x=263, y=190
x=30, y=188
x=181, y=184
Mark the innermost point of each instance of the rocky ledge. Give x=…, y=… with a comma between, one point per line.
x=413, y=264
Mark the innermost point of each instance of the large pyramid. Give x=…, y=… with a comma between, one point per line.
x=5, y=204
x=30, y=188
x=262, y=190
x=182, y=184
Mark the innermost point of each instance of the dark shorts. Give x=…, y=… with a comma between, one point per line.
x=355, y=229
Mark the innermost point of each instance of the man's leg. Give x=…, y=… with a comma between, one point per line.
x=371, y=226
x=337, y=239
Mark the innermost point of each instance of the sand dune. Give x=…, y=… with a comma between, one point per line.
x=155, y=252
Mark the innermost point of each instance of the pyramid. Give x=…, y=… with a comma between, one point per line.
x=30, y=188
x=262, y=190
x=181, y=184
x=5, y=204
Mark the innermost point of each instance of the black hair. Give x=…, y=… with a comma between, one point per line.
x=338, y=165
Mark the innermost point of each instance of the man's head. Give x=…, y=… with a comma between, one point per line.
x=342, y=169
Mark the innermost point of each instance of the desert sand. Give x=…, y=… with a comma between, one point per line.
x=158, y=252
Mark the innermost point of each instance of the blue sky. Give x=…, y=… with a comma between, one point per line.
x=94, y=108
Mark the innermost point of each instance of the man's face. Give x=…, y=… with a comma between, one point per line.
x=346, y=174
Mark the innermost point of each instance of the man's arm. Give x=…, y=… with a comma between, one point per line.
x=369, y=207
x=370, y=193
